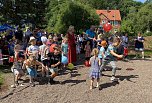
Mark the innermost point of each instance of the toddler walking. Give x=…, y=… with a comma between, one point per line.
x=95, y=68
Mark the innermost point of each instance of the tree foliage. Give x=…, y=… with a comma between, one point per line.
x=71, y=13
x=140, y=21
x=15, y=11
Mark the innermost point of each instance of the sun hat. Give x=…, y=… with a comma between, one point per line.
x=32, y=38
x=43, y=39
x=50, y=37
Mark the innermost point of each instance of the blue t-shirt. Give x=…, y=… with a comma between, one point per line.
x=102, y=50
x=108, y=54
x=99, y=41
x=90, y=33
x=39, y=35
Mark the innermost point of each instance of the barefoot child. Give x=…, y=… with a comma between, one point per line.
x=95, y=68
x=30, y=65
x=110, y=55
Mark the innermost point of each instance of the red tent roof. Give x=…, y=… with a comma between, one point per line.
x=110, y=14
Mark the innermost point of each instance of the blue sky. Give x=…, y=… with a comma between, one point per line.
x=141, y=0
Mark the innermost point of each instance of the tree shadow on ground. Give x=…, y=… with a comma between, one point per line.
x=5, y=68
x=107, y=85
x=75, y=82
x=109, y=68
x=128, y=77
x=121, y=78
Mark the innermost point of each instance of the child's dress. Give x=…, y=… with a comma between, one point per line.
x=95, y=68
x=78, y=48
x=88, y=51
x=64, y=49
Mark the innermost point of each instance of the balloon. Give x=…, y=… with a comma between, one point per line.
x=125, y=51
x=70, y=66
x=64, y=60
x=107, y=27
x=52, y=47
x=87, y=64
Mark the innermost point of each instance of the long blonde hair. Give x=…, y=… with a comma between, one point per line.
x=95, y=52
x=71, y=28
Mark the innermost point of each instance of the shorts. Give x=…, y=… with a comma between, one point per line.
x=32, y=72
x=16, y=71
x=45, y=62
x=54, y=70
x=139, y=49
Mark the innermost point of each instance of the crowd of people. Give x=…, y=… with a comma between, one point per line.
x=35, y=50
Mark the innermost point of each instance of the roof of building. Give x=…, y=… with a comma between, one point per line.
x=110, y=14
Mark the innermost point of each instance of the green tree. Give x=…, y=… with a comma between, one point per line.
x=138, y=21
x=16, y=10
x=72, y=13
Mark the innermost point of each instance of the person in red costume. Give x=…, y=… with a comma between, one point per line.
x=72, y=45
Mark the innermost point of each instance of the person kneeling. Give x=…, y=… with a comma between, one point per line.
x=54, y=63
x=31, y=64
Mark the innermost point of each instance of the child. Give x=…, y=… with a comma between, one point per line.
x=11, y=48
x=64, y=47
x=55, y=61
x=33, y=49
x=44, y=50
x=102, y=50
x=109, y=56
x=95, y=68
x=99, y=40
x=125, y=40
x=17, y=65
x=50, y=40
x=87, y=50
x=139, y=45
x=30, y=65
x=78, y=48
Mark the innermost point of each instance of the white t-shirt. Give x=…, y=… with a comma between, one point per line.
x=80, y=39
x=44, y=50
x=34, y=49
x=124, y=41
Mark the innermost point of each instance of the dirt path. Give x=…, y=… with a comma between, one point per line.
x=133, y=87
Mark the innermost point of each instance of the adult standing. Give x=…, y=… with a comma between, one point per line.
x=72, y=45
x=91, y=36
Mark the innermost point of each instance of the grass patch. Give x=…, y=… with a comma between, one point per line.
x=3, y=69
x=148, y=53
x=1, y=78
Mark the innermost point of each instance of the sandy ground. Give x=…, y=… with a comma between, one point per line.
x=134, y=86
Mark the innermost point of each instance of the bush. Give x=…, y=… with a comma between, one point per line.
x=148, y=34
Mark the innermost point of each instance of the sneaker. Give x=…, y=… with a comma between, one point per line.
x=32, y=84
x=143, y=57
x=13, y=86
x=112, y=78
x=51, y=81
x=21, y=85
x=16, y=83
